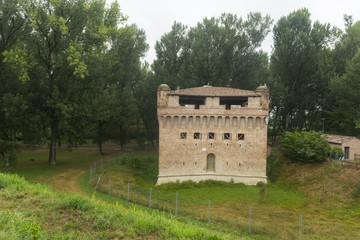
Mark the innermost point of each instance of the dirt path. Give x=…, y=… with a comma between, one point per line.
x=67, y=181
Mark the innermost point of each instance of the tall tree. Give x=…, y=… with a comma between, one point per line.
x=64, y=34
x=220, y=51
x=14, y=68
x=300, y=70
x=344, y=113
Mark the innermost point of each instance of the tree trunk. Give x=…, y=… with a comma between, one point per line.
x=100, y=148
x=7, y=162
x=52, y=154
x=6, y=159
x=287, y=121
x=100, y=135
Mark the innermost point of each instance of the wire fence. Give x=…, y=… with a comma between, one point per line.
x=337, y=158
x=177, y=204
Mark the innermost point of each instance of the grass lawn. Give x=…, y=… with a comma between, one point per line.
x=275, y=212
x=320, y=193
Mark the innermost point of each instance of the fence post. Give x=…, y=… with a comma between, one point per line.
x=250, y=219
x=150, y=198
x=97, y=182
x=90, y=175
x=109, y=185
x=300, y=227
x=128, y=193
x=94, y=167
x=176, y=203
x=209, y=212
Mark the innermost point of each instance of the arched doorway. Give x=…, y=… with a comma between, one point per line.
x=210, y=163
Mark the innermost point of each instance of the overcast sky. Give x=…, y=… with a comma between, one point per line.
x=157, y=16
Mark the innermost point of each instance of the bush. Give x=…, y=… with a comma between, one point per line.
x=337, y=150
x=145, y=167
x=305, y=147
x=274, y=165
x=356, y=192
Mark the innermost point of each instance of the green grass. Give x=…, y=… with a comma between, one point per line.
x=281, y=202
x=33, y=165
x=35, y=212
x=321, y=193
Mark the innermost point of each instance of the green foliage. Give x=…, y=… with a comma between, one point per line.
x=305, y=147
x=338, y=151
x=146, y=167
x=356, y=191
x=76, y=202
x=171, y=186
x=344, y=111
x=274, y=166
x=301, y=71
x=220, y=51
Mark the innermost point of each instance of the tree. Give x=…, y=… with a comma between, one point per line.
x=300, y=70
x=344, y=113
x=14, y=68
x=341, y=110
x=64, y=35
x=217, y=51
x=305, y=147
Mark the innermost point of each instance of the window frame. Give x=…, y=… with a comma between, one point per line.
x=199, y=135
x=241, y=136
x=213, y=136
x=227, y=136
x=183, y=134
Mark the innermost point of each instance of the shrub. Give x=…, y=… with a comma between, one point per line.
x=337, y=150
x=305, y=147
x=274, y=165
x=356, y=192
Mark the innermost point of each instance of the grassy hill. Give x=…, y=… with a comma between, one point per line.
x=36, y=212
x=323, y=194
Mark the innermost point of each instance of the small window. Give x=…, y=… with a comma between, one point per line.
x=241, y=136
x=227, y=136
x=197, y=106
x=197, y=135
x=183, y=135
x=211, y=135
x=228, y=107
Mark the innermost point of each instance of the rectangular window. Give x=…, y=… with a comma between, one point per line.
x=211, y=135
x=183, y=135
x=241, y=136
x=197, y=135
x=227, y=136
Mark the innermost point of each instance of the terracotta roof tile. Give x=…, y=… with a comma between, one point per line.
x=337, y=138
x=209, y=91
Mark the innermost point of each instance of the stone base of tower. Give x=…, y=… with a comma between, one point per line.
x=249, y=180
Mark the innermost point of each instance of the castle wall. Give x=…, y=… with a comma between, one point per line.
x=238, y=160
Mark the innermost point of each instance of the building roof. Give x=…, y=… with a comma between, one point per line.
x=209, y=91
x=338, y=139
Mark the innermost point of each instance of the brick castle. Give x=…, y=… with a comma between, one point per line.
x=212, y=133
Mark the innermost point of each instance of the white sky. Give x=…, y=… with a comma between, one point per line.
x=157, y=16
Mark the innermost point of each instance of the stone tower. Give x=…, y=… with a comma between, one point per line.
x=212, y=133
